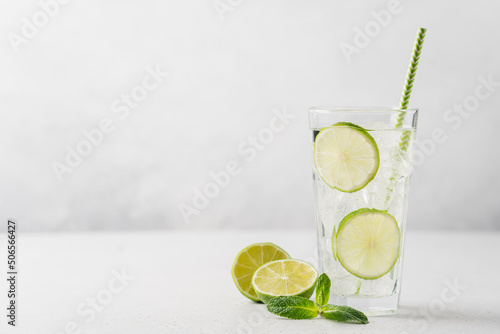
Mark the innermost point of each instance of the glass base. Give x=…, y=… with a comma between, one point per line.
x=371, y=306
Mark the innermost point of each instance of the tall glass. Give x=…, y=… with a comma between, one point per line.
x=387, y=192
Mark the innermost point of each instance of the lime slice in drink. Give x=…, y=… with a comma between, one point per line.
x=284, y=278
x=346, y=156
x=249, y=260
x=367, y=243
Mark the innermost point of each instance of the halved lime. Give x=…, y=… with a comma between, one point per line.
x=367, y=243
x=249, y=260
x=346, y=156
x=284, y=278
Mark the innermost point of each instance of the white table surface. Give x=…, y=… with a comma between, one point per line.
x=182, y=284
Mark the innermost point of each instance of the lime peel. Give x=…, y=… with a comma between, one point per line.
x=367, y=243
x=288, y=277
x=249, y=260
x=346, y=156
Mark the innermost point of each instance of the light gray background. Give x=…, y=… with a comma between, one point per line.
x=226, y=76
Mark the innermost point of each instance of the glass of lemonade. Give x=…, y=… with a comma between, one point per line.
x=362, y=160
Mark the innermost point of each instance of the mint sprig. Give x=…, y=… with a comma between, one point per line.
x=323, y=290
x=294, y=307
x=344, y=314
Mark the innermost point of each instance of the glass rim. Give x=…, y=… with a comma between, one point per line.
x=360, y=109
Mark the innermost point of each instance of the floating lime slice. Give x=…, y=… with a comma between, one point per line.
x=284, y=278
x=249, y=260
x=346, y=156
x=367, y=243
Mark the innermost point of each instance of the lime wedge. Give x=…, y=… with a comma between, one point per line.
x=346, y=156
x=249, y=260
x=367, y=243
x=284, y=278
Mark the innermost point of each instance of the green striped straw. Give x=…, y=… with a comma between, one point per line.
x=403, y=105
x=410, y=77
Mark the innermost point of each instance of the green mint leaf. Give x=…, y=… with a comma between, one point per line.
x=323, y=290
x=344, y=314
x=293, y=307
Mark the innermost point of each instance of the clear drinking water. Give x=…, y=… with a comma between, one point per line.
x=387, y=191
